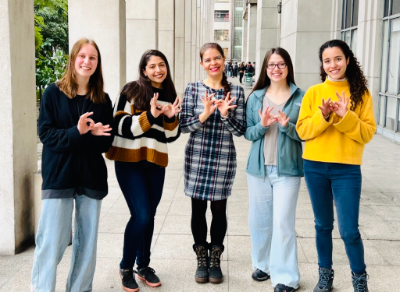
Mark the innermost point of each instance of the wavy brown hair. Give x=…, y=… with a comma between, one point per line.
x=141, y=91
x=68, y=84
x=263, y=80
x=224, y=81
x=354, y=74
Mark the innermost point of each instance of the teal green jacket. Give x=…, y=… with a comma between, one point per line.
x=289, y=160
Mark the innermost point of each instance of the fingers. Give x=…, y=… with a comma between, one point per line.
x=338, y=95
x=155, y=97
x=227, y=96
x=259, y=113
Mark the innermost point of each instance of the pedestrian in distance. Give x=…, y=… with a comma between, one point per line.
x=274, y=170
x=74, y=127
x=336, y=121
x=242, y=68
x=235, y=70
x=213, y=110
x=145, y=114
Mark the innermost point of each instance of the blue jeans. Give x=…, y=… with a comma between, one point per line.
x=142, y=184
x=52, y=239
x=272, y=215
x=339, y=183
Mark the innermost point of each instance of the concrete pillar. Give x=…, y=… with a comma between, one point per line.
x=251, y=32
x=198, y=38
x=141, y=33
x=166, y=31
x=268, y=25
x=194, y=52
x=18, y=131
x=369, y=42
x=180, y=53
x=87, y=19
x=244, y=38
x=303, y=30
x=188, y=42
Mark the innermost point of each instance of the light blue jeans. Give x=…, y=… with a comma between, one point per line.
x=52, y=239
x=272, y=214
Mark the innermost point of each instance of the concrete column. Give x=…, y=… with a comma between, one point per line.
x=268, y=25
x=18, y=132
x=166, y=31
x=251, y=32
x=86, y=19
x=194, y=52
x=369, y=42
x=141, y=33
x=303, y=30
x=198, y=38
x=180, y=53
x=244, y=38
x=188, y=42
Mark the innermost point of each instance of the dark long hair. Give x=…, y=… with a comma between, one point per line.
x=68, y=84
x=141, y=91
x=204, y=48
x=263, y=80
x=354, y=74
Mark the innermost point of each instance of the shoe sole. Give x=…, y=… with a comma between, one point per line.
x=260, y=279
x=216, y=280
x=126, y=288
x=148, y=283
x=201, y=280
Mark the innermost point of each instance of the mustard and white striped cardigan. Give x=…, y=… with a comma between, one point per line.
x=140, y=136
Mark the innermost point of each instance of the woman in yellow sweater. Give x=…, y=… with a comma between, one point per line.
x=336, y=120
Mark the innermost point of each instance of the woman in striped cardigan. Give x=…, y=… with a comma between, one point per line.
x=144, y=122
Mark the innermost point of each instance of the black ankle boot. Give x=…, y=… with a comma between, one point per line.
x=360, y=282
x=201, y=251
x=215, y=274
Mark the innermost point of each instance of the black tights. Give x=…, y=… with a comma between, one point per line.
x=219, y=223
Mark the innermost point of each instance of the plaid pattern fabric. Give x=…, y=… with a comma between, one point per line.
x=210, y=155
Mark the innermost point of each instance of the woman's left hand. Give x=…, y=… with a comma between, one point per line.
x=173, y=109
x=340, y=107
x=282, y=119
x=99, y=129
x=225, y=104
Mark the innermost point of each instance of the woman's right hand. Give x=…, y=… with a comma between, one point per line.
x=85, y=124
x=209, y=107
x=325, y=107
x=267, y=119
x=155, y=108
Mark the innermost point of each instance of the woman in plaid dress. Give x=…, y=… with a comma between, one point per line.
x=212, y=111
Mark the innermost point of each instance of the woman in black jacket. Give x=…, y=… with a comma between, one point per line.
x=74, y=128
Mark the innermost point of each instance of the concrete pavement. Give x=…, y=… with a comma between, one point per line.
x=172, y=254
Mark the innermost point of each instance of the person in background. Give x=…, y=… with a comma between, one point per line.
x=145, y=116
x=235, y=70
x=212, y=117
x=242, y=68
x=74, y=127
x=336, y=121
x=274, y=170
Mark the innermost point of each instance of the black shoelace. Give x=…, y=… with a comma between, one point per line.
x=360, y=283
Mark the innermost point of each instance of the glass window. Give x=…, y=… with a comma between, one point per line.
x=394, y=59
x=395, y=7
x=398, y=115
x=385, y=54
x=225, y=52
x=355, y=13
x=237, y=53
x=221, y=0
x=238, y=37
x=221, y=15
x=349, y=9
x=382, y=110
x=353, y=44
x=221, y=35
x=386, y=9
x=391, y=112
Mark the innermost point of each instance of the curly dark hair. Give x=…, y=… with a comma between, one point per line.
x=354, y=74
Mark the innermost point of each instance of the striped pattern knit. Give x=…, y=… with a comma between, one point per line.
x=210, y=155
x=140, y=136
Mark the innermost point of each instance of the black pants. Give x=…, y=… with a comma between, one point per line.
x=240, y=77
x=219, y=223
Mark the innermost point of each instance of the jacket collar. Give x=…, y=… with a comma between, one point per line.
x=260, y=93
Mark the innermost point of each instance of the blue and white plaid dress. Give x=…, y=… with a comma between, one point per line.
x=210, y=155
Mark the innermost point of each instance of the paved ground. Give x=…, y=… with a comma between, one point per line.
x=174, y=260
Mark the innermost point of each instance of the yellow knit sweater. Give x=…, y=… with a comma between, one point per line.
x=339, y=140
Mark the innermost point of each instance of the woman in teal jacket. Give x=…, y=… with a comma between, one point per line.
x=274, y=169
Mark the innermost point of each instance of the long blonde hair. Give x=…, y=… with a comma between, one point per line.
x=68, y=84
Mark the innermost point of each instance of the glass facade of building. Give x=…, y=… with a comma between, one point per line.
x=350, y=23
x=237, y=33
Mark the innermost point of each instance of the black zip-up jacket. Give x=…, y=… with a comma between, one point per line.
x=72, y=164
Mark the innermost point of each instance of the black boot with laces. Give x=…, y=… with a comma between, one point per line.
x=201, y=251
x=325, y=282
x=360, y=282
x=214, y=273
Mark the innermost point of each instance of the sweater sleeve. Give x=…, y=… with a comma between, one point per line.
x=361, y=128
x=171, y=128
x=311, y=122
x=188, y=121
x=56, y=139
x=254, y=130
x=236, y=120
x=127, y=124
